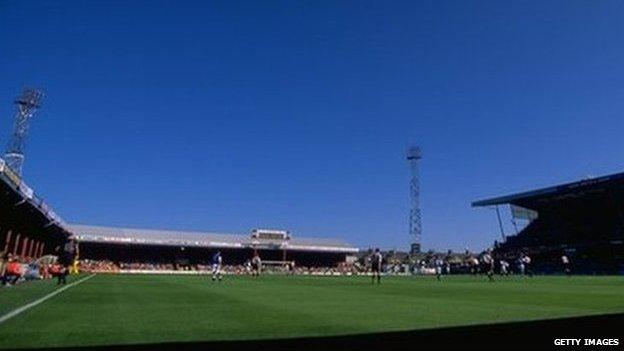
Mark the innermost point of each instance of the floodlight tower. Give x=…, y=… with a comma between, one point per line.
x=27, y=104
x=415, y=229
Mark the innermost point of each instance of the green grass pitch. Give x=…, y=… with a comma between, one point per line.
x=125, y=309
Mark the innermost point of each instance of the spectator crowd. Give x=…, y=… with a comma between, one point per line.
x=103, y=266
x=16, y=269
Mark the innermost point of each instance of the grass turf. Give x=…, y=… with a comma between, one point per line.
x=123, y=309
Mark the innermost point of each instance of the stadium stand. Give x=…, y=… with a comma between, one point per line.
x=189, y=249
x=29, y=228
x=583, y=220
x=31, y=233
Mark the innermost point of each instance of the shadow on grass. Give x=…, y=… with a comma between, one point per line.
x=517, y=335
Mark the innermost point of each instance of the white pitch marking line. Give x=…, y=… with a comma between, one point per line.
x=19, y=310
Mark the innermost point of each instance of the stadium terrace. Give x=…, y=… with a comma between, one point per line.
x=190, y=248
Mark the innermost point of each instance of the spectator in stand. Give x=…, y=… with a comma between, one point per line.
x=4, y=260
x=13, y=272
x=43, y=271
x=54, y=270
x=32, y=270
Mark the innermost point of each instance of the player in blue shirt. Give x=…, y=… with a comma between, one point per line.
x=217, y=260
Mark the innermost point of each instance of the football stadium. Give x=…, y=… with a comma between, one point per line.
x=335, y=96
x=157, y=287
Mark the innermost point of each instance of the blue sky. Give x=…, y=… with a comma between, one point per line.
x=230, y=115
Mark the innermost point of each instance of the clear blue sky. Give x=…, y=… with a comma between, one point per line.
x=224, y=116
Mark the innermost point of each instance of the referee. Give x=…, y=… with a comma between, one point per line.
x=376, y=262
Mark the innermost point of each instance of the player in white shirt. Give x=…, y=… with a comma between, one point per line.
x=488, y=264
x=504, y=267
x=291, y=267
x=248, y=266
x=520, y=265
x=474, y=265
x=438, y=263
x=526, y=261
x=565, y=262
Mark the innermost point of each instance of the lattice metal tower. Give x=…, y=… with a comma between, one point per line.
x=415, y=229
x=27, y=104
